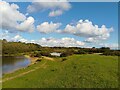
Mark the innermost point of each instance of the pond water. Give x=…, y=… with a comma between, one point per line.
x=12, y=63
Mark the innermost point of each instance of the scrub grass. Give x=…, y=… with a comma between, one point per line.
x=77, y=71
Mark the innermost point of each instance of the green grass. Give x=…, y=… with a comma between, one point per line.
x=78, y=71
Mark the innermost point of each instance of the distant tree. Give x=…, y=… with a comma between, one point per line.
x=4, y=41
x=93, y=47
x=105, y=48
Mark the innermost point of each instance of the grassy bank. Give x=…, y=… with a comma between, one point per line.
x=81, y=71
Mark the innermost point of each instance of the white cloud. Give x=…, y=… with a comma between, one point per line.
x=111, y=45
x=56, y=8
x=92, y=33
x=55, y=13
x=98, y=39
x=47, y=27
x=51, y=42
x=4, y=35
x=63, y=42
x=13, y=20
x=88, y=30
x=19, y=38
x=28, y=24
x=90, y=40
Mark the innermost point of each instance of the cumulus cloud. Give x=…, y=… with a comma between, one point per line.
x=47, y=27
x=4, y=35
x=56, y=8
x=28, y=24
x=63, y=42
x=85, y=28
x=95, y=39
x=51, y=42
x=55, y=13
x=12, y=19
x=19, y=38
x=111, y=45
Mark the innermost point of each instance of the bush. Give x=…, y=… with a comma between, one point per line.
x=112, y=53
x=36, y=54
x=63, y=54
x=81, y=52
x=45, y=54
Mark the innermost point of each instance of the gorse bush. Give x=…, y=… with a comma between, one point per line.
x=67, y=53
x=81, y=52
x=112, y=53
x=40, y=53
x=45, y=53
x=35, y=54
x=64, y=54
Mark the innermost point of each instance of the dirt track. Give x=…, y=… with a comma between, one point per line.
x=48, y=58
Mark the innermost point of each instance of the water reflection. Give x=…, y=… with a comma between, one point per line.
x=10, y=63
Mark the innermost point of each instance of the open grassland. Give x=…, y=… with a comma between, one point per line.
x=76, y=71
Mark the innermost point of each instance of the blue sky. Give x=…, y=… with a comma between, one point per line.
x=97, y=13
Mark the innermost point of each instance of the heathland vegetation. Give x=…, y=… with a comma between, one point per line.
x=19, y=48
x=14, y=48
x=75, y=68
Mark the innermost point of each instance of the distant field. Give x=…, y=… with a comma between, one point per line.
x=77, y=71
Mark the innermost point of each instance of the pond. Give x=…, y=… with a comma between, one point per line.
x=12, y=63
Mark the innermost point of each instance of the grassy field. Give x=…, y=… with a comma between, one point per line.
x=77, y=71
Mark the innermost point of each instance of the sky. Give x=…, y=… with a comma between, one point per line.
x=66, y=24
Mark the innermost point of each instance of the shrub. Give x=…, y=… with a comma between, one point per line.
x=81, y=52
x=65, y=54
x=36, y=54
x=112, y=53
x=45, y=54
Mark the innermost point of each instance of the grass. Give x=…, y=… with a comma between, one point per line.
x=77, y=71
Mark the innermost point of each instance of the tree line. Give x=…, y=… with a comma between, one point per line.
x=9, y=48
x=17, y=47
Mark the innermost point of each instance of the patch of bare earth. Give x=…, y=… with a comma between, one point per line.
x=48, y=58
